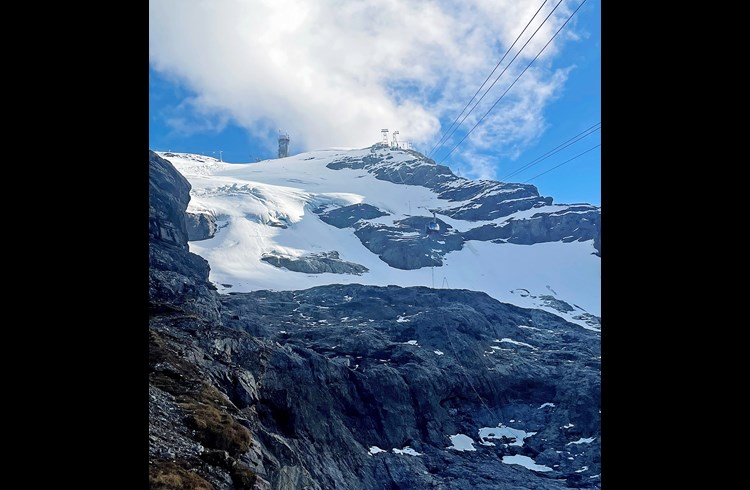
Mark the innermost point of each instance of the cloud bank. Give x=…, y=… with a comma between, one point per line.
x=334, y=72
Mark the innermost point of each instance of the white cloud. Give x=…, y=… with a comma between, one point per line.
x=333, y=73
x=191, y=117
x=477, y=166
x=522, y=119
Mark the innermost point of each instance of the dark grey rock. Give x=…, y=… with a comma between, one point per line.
x=315, y=263
x=598, y=241
x=480, y=200
x=555, y=303
x=359, y=383
x=406, y=245
x=348, y=215
x=577, y=223
x=488, y=199
x=313, y=417
x=168, y=195
x=218, y=457
x=176, y=276
x=489, y=232
x=166, y=454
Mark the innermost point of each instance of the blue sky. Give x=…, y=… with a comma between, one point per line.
x=226, y=75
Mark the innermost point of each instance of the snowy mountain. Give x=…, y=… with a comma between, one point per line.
x=354, y=386
x=358, y=216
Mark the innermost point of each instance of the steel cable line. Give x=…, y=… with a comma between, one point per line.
x=514, y=81
x=485, y=80
x=563, y=163
x=506, y=67
x=555, y=150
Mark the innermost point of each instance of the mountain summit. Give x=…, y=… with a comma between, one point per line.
x=359, y=216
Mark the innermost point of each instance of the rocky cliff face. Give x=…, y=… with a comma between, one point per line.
x=175, y=275
x=195, y=436
x=581, y=222
x=482, y=200
x=358, y=387
x=358, y=367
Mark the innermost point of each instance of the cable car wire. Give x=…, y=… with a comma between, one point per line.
x=554, y=150
x=563, y=163
x=514, y=81
x=485, y=80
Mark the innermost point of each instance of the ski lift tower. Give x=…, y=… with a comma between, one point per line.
x=283, y=144
x=385, y=136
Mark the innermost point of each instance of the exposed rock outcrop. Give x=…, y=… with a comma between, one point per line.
x=575, y=223
x=175, y=275
x=200, y=226
x=358, y=387
x=315, y=263
x=481, y=200
x=348, y=368
x=347, y=216
x=406, y=245
x=476, y=200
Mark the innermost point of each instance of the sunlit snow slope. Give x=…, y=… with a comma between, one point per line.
x=267, y=208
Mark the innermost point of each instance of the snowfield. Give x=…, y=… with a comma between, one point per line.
x=267, y=207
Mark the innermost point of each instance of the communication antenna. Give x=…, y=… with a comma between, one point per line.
x=283, y=144
x=395, y=141
x=385, y=135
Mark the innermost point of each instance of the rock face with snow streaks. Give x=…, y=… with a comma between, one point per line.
x=275, y=225
x=315, y=263
x=467, y=200
x=294, y=389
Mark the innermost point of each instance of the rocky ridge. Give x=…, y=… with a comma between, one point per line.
x=404, y=246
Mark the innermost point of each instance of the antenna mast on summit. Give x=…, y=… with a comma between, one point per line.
x=395, y=141
x=385, y=136
x=283, y=144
